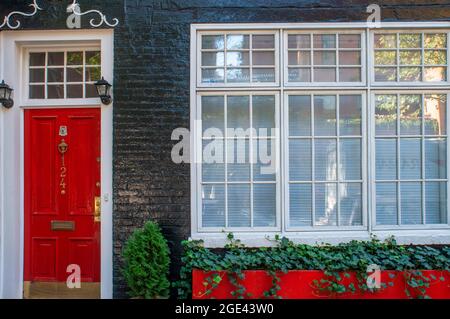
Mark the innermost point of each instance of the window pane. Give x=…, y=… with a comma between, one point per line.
x=326, y=204
x=435, y=41
x=433, y=57
x=386, y=159
x=349, y=74
x=55, y=91
x=300, y=205
x=385, y=74
x=91, y=91
x=263, y=58
x=410, y=57
x=264, y=157
x=324, y=41
x=350, y=159
x=436, y=202
x=299, y=115
x=385, y=57
x=213, y=59
x=74, y=91
x=325, y=159
x=299, y=58
x=93, y=74
x=212, y=75
x=300, y=152
x=264, y=205
x=37, y=75
x=93, y=58
x=411, y=203
x=37, y=92
x=411, y=74
x=55, y=58
x=435, y=74
x=349, y=40
x=324, y=58
x=238, y=75
x=239, y=205
x=435, y=114
x=325, y=115
x=238, y=164
x=385, y=41
x=264, y=41
x=410, y=114
x=215, y=42
x=349, y=58
x=263, y=75
x=350, y=114
x=55, y=75
x=386, y=199
x=385, y=114
x=37, y=59
x=213, y=205
x=410, y=158
x=299, y=75
x=325, y=74
x=410, y=40
x=238, y=59
x=436, y=158
x=299, y=41
x=238, y=115
x=264, y=114
x=74, y=74
x=350, y=195
x=75, y=58
x=237, y=41
x=213, y=112
x=213, y=167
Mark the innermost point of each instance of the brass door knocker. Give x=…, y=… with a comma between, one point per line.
x=62, y=148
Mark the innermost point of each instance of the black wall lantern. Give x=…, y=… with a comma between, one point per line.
x=103, y=90
x=5, y=95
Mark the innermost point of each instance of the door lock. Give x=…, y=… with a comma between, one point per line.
x=97, y=209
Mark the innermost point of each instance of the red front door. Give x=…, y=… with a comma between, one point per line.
x=62, y=183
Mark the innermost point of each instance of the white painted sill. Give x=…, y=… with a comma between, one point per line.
x=403, y=237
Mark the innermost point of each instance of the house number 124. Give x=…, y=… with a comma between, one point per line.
x=62, y=148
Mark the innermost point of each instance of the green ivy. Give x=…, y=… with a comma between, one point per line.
x=335, y=260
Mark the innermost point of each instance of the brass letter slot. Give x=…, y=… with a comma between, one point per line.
x=62, y=225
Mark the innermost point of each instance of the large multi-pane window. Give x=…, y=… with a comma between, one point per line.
x=299, y=130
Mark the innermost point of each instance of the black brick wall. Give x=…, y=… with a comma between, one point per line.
x=151, y=91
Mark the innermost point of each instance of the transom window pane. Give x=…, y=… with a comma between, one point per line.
x=410, y=57
x=238, y=58
x=325, y=160
x=411, y=158
x=239, y=150
x=321, y=58
x=63, y=74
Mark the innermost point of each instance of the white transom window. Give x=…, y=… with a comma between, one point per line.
x=325, y=130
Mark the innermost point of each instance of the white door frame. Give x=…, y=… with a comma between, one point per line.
x=12, y=46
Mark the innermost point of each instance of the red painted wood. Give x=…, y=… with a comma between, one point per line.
x=47, y=252
x=298, y=284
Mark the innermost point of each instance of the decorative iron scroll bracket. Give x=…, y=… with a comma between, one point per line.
x=15, y=25
x=75, y=8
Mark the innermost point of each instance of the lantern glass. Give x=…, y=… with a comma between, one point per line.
x=3, y=93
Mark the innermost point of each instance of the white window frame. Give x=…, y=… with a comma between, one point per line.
x=372, y=162
x=46, y=102
x=285, y=159
x=404, y=235
x=398, y=83
x=363, y=51
x=250, y=67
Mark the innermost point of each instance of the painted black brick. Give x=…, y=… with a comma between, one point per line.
x=151, y=91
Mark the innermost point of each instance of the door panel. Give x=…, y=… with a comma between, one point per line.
x=62, y=180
